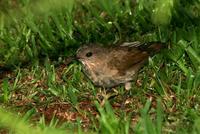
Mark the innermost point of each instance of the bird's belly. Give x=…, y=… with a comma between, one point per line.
x=105, y=77
x=109, y=79
x=112, y=81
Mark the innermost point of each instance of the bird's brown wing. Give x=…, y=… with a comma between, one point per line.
x=126, y=56
x=123, y=58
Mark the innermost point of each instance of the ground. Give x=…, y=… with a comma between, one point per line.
x=47, y=93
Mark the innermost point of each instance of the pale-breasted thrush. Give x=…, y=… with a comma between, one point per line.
x=111, y=66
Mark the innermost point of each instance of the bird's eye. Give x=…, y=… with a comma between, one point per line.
x=89, y=54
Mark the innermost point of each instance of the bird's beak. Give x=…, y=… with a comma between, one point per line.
x=78, y=57
x=70, y=59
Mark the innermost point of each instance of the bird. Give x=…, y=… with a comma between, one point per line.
x=111, y=66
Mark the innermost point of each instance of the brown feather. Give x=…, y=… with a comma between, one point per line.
x=127, y=58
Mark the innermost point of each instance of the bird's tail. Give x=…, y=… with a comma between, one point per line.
x=152, y=47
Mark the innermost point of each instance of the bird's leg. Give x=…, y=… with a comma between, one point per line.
x=127, y=88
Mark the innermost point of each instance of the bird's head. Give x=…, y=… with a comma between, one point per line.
x=89, y=52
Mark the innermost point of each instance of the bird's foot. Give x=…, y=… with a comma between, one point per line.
x=128, y=86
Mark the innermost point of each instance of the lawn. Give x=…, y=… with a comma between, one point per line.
x=40, y=92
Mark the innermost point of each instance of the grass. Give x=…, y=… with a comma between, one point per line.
x=38, y=89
